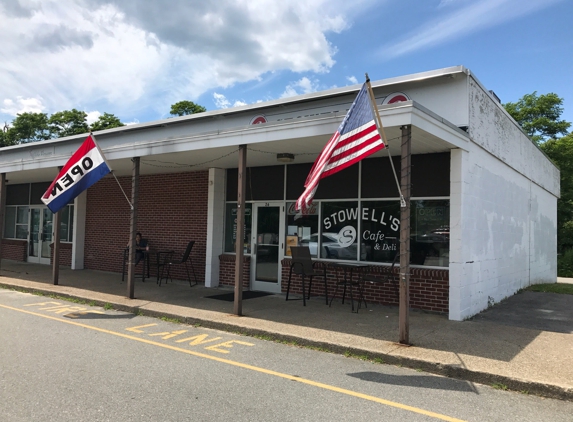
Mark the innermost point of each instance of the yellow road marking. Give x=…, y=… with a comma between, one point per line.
x=252, y=368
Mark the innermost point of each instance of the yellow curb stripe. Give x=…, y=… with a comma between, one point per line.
x=251, y=367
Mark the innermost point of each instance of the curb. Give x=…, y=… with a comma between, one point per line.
x=514, y=384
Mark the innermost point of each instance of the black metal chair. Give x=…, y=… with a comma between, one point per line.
x=302, y=265
x=384, y=273
x=186, y=260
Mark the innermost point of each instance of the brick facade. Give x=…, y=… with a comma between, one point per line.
x=429, y=288
x=15, y=249
x=172, y=211
x=65, y=254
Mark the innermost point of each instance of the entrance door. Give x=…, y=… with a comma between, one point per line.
x=40, y=236
x=267, y=246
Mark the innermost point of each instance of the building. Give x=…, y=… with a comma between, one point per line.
x=483, y=209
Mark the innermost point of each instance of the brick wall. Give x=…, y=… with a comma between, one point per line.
x=14, y=249
x=65, y=254
x=429, y=289
x=227, y=270
x=172, y=211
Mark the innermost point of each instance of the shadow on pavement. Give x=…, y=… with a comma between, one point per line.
x=422, y=381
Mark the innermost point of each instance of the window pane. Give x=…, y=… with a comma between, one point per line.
x=64, y=224
x=21, y=231
x=380, y=232
x=300, y=228
x=10, y=223
x=339, y=228
x=430, y=232
x=22, y=215
x=71, y=232
x=231, y=227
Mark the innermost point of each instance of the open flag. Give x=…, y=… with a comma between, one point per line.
x=82, y=170
x=356, y=138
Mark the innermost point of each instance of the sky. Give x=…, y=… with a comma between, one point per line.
x=135, y=58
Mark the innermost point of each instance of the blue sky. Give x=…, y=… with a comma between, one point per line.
x=134, y=58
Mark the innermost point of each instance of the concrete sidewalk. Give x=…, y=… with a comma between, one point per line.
x=524, y=343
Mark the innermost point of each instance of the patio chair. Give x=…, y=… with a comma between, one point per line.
x=301, y=264
x=185, y=260
x=384, y=273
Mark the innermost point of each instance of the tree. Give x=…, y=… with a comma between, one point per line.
x=106, y=121
x=183, y=108
x=561, y=152
x=539, y=116
x=68, y=122
x=28, y=127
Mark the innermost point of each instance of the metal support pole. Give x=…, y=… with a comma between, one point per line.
x=240, y=233
x=56, y=223
x=133, y=228
x=405, y=183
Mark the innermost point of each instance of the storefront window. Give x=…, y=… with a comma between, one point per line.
x=380, y=230
x=231, y=227
x=302, y=228
x=339, y=232
x=430, y=232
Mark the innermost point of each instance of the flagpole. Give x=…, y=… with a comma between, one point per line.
x=383, y=135
x=111, y=170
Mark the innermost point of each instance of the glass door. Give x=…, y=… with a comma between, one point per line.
x=40, y=236
x=268, y=246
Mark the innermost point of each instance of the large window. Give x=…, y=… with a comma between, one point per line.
x=355, y=216
x=16, y=223
x=231, y=227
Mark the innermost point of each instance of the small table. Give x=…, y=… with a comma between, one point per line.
x=349, y=267
x=159, y=262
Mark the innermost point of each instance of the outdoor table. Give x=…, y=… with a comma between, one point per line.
x=146, y=258
x=348, y=268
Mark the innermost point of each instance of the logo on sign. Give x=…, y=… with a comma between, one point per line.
x=395, y=97
x=346, y=236
x=257, y=120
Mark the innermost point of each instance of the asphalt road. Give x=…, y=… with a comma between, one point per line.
x=62, y=361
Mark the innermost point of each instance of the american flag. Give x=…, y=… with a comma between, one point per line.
x=356, y=138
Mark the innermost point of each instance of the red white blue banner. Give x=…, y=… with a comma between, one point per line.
x=356, y=138
x=82, y=170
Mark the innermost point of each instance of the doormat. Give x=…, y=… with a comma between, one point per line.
x=230, y=297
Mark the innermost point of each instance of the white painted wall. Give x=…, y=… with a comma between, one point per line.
x=503, y=212
x=79, y=235
x=215, y=217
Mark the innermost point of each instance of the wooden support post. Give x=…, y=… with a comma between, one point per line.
x=56, y=223
x=2, y=209
x=133, y=228
x=240, y=233
x=405, y=176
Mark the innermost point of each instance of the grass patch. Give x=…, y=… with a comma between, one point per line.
x=561, y=288
x=499, y=386
x=108, y=306
x=174, y=320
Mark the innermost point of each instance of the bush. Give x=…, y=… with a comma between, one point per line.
x=565, y=264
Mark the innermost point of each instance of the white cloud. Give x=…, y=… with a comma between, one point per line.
x=220, y=100
x=352, y=79
x=22, y=105
x=92, y=116
x=470, y=17
x=302, y=86
x=127, y=55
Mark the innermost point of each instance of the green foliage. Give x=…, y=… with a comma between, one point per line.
x=183, y=108
x=565, y=264
x=28, y=127
x=539, y=115
x=68, y=122
x=106, y=121
x=561, y=152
